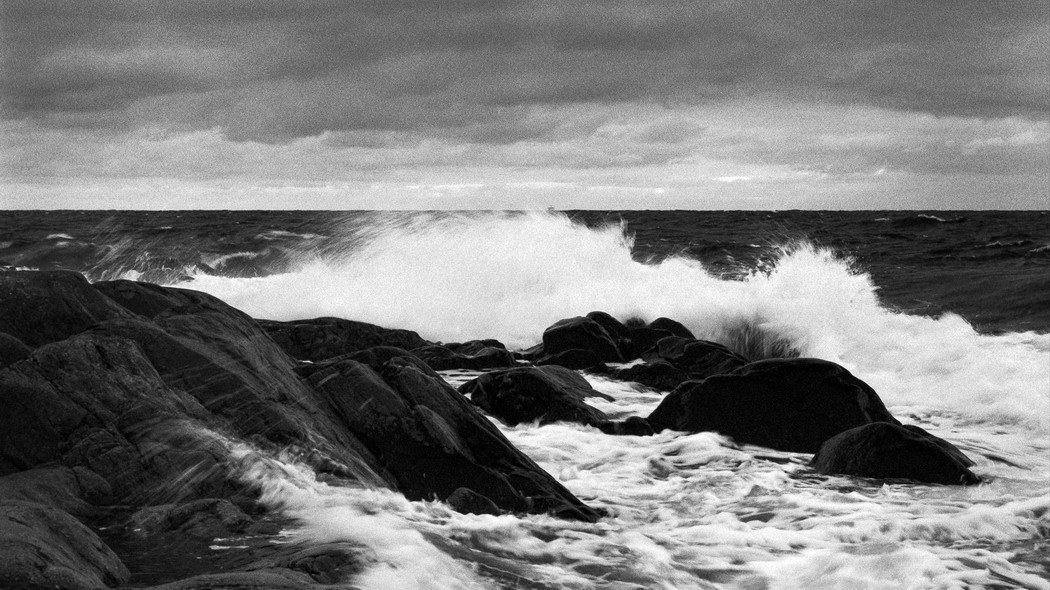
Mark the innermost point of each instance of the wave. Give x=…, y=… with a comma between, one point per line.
x=460, y=276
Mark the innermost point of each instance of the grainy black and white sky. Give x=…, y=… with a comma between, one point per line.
x=732, y=104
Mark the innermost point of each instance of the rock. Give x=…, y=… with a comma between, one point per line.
x=467, y=501
x=429, y=440
x=786, y=404
x=612, y=326
x=472, y=355
x=323, y=338
x=641, y=340
x=73, y=490
x=527, y=394
x=889, y=451
x=206, y=518
x=152, y=301
x=44, y=547
x=582, y=333
x=633, y=426
x=675, y=328
x=699, y=358
x=42, y=307
x=12, y=350
x=574, y=358
x=660, y=375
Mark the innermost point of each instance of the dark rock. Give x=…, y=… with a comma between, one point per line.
x=633, y=426
x=574, y=358
x=786, y=404
x=42, y=307
x=612, y=326
x=206, y=518
x=527, y=394
x=467, y=501
x=73, y=490
x=699, y=358
x=660, y=375
x=44, y=547
x=641, y=340
x=152, y=301
x=465, y=356
x=12, y=350
x=583, y=333
x=430, y=441
x=323, y=338
x=675, y=328
x=888, y=451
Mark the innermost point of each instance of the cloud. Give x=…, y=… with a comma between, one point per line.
x=276, y=70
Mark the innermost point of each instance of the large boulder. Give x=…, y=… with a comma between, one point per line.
x=574, y=358
x=323, y=338
x=429, y=439
x=669, y=325
x=45, y=548
x=890, y=451
x=786, y=404
x=581, y=333
x=528, y=394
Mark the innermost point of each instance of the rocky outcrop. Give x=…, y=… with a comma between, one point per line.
x=786, y=404
x=529, y=394
x=131, y=395
x=660, y=375
x=429, y=439
x=890, y=451
x=322, y=338
x=45, y=547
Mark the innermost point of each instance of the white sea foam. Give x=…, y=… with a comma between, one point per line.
x=455, y=277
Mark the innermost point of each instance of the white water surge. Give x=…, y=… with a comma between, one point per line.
x=686, y=511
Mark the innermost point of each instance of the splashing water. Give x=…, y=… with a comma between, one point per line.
x=458, y=276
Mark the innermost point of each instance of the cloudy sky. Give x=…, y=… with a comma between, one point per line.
x=724, y=104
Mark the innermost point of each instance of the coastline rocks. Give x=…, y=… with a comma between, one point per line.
x=467, y=501
x=322, y=338
x=581, y=333
x=528, y=394
x=429, y=440
x=475, y=355
x=660, y=375
x=12, y=350
x=699, y=358
x=785, y=404
x=574, y=358
x=44, y=547
x=42, y=307
x=890, y=451
x=669, y=325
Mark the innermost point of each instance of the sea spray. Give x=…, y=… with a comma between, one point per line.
x=460, y=276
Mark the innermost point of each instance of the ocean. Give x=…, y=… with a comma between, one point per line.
x=945, y=314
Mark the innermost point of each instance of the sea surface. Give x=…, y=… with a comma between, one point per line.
x=945, y=314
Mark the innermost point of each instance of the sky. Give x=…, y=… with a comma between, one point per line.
x=434, y=104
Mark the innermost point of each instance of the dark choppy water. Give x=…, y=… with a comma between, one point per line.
x=946, y=315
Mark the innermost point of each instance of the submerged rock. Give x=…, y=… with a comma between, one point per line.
x=786, y=404
x=528, y=394
x=889, y=451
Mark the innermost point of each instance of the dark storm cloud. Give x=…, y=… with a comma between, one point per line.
x=274, y=70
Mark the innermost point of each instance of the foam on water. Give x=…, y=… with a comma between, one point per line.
x=690, y=511
x=455, y=277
